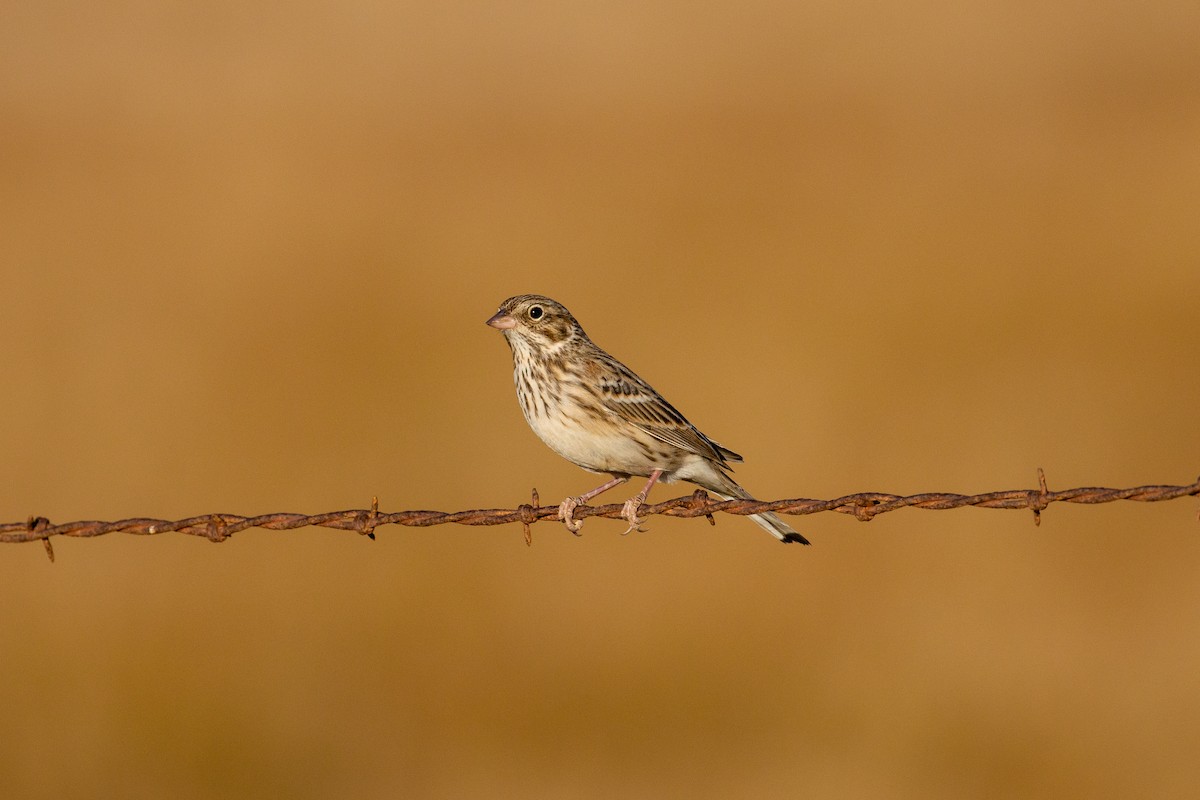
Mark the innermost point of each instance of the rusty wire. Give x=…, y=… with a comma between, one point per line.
x=864, y=506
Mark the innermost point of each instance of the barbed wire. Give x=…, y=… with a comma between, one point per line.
x=864, y=506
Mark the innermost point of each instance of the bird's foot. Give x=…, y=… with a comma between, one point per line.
x=629, y=513
x=566, y=511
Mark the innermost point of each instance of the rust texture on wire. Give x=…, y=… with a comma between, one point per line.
x=863, y=505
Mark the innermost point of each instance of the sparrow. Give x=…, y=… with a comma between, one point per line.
x=598, y=414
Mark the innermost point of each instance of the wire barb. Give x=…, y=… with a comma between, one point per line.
x=864, y=506
x=1039, y=503
x=700, y=503
x=528, y=514
x=38, y=524
x=367, y=520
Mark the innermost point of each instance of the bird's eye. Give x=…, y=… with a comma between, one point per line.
x=536, y=312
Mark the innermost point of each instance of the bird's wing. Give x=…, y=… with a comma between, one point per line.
x=635, y=401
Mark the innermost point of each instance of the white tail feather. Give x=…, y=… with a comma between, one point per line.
x=727, y=489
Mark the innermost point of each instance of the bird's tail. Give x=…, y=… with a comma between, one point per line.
x=728, y=489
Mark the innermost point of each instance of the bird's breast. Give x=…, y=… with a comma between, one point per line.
x=571, y=420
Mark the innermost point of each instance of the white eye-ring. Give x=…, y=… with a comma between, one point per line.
x=536, y=312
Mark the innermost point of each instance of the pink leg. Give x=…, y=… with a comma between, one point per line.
x=583, y=498
x=629, y=512
x=566, y=508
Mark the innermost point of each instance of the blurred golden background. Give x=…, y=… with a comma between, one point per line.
x=247, y=255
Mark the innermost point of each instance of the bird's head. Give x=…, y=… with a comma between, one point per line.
x=535, y=321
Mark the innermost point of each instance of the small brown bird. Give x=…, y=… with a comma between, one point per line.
x=595, y=412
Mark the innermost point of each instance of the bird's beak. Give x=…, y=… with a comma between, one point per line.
x=502, y=321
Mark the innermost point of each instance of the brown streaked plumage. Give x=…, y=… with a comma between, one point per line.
x=595, y=412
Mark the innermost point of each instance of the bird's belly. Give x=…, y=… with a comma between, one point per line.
x=593, y=445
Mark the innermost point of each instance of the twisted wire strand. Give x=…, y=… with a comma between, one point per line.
x=864, y=506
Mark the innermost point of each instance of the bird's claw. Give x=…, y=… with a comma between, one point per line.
x=629, y=514
x=566, y=512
